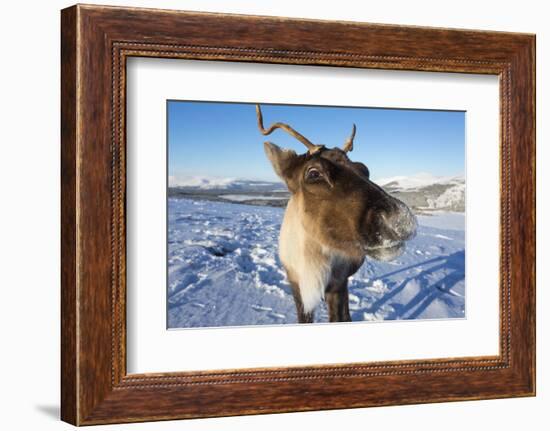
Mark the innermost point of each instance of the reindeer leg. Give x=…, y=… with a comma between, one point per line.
x=337, y=299
x=303, y=317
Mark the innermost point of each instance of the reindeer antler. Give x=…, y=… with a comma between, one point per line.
x=348, y=146
x=312, y=148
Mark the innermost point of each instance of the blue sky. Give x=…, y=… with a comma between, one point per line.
x=222, y=139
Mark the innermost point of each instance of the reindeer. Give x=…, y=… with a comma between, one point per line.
x=336, y=216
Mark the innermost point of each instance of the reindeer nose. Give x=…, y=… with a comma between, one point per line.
x=401, y=221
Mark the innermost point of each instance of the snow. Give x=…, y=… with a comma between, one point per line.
x=223, y=183
x=243, y=198
x=418, y=181
x=223, y=270
x=199, y=182
x=443, y=220
x=449, y=198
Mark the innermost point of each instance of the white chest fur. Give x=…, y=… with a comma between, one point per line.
x=308, y=261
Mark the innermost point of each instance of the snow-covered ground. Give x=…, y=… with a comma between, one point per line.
x=223, y=270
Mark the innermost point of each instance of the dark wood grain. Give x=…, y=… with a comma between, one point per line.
x=69, y=365
x=96, y=41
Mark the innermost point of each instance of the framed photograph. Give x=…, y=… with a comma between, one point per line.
x=263, y=214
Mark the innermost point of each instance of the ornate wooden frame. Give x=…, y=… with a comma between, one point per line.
x=95, y=43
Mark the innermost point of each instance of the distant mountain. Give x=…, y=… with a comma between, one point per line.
x=416, y=181
x=425, y=192
x=225, y=184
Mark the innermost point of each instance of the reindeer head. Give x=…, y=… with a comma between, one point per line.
x=339, y=205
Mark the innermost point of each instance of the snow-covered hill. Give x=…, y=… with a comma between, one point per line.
x=425, y=192
x=223, y=270
x=418, y=181
x=219, y=183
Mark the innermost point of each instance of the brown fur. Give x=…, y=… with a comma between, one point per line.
x=335, y=218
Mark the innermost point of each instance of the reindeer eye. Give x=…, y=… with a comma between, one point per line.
x=313, y=174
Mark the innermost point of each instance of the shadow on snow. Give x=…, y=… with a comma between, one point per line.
x=428, y=290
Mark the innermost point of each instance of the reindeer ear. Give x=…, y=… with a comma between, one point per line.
x=284, y=162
